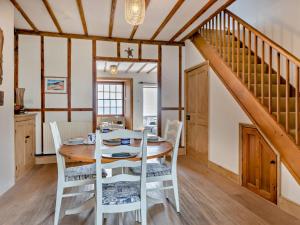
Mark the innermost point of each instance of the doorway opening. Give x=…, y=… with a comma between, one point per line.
x=150, y=108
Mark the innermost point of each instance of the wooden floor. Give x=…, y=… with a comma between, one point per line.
x=206, y=199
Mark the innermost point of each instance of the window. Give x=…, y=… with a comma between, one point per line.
x=110, y=98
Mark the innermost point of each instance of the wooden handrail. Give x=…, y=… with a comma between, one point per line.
x=266, y=39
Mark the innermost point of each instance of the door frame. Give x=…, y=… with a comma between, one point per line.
x=205, y=63
x=246, y=125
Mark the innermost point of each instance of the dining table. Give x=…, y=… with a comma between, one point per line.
x=85, y=153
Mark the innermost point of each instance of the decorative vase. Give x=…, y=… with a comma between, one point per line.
x=19, y=105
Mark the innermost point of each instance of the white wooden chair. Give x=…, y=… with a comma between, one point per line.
x=71, y=176
x=123, y=192
x=162, y=172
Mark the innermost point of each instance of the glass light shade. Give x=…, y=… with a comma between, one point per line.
x=113, y=69
x=135, y=11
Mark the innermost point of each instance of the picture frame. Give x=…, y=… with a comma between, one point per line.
x=56, y=85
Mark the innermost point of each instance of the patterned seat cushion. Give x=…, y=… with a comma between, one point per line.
x=82, y=172
x=154, y=170
x=121, y=193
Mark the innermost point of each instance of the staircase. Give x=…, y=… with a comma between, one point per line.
x=261, y=75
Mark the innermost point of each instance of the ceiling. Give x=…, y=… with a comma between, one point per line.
x=185, y=15
x=128, y=67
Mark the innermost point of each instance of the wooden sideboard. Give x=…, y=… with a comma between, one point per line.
x=24, y=143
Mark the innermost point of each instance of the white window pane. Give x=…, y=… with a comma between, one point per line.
x=119, y=88
x=100, y=95
x=100, y=103
x=119, y=103
x=112, y=88
x=119, y=111
x=112, y=95
x=100, y=111
x=106, y=87
x=106, y=111
x=106, y=103
x=106, y=95
x=100, y=87
x=119, y=95
x=113, y=111
x=113, y=103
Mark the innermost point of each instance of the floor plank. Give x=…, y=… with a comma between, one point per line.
x=206, y=199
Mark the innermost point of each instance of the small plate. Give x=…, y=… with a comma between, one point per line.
x=156, y=140
x=112, y=142
x=131, y=155
x=72, y=143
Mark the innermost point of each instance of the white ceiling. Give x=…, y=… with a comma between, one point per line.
x=136, y=67
x=97, y=15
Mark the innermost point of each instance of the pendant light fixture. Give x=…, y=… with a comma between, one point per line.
x=135, y=11
x=113, y=69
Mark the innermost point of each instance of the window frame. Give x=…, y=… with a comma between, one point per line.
x=123, y=98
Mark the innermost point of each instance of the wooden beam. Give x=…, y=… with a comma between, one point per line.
x=159, y=81
x=69, y=87
x=141, y=69
x=180, y=84
x=115, y=59
x=137, y=26
x=42, y=91
x=53, y=17
x=129, y=67
x=16, y=61
x=153, y=68
x=94, y=88
x=96, y=38
x=82, y=17
x=112, y=17
x=194, y=18
x=195, y=30
x=168, y=18
x=19, y=8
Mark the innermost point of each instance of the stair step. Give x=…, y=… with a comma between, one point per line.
x=266, y=90
x=252, y=68
x=282, y=108
x=252, y=58
x=236, y=43
x=282, y=118
x=266, y=78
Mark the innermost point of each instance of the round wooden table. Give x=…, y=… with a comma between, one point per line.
x=86, y=153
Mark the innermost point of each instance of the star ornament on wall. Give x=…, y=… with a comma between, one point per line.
x=129, y=52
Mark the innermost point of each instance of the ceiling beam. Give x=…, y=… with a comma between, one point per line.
x=137, y=26
x=97, y=38
x=149, y=71
x=112, y=17
x=168, y=18
x=19, y=8
x=194, y=18
x=53, y=17
x=82, y=17
x=129, y=67
x=141, y=69
x=195, y=30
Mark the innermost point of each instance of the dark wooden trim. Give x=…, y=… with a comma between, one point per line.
x=28, y=20
x=167, y=19
x=59, y=110
x=180, y=84
x=141, y=69
x=140, y=51
x=112, y=17
x=172, y=108
x=159, y=78
x=52, y=15
x=94, y=85
x=195, y=30
x=98, y=38
x=16, y=57
x=42, y=91
x=82, y=17
x=194, y=18
x=116, y=59
x=118, y=49
x=154, y=67
x=134, y=29
x=69, y=84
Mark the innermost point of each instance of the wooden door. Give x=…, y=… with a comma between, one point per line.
x=29, y=145
x=259, y=164
x=196, y=104
x=20, y=128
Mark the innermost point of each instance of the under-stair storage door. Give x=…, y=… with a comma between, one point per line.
x=259, y=165
x=196, y=99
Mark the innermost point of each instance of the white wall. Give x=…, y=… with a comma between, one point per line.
x=7, y=166
x=137, y=93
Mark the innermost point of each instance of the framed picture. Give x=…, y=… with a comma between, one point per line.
x=56, y=85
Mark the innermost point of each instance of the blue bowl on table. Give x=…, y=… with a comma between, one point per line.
x=125, y=141
x=105, y=130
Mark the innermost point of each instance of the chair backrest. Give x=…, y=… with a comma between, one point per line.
x=172, y=134
x=140, y=149
x=57, y=144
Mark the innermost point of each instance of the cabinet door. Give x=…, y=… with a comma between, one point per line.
x=259, y=165
x=20, y=128
x=29, y=145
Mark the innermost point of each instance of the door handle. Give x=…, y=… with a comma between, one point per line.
x=188, y=117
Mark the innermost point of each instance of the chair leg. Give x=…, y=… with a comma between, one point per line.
x=99, y=218
x=144, y=215
x=176, y=193
x=59, y=195
x=165, y=184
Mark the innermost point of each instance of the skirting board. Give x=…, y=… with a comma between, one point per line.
x=288, y=206
x=222, y=171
